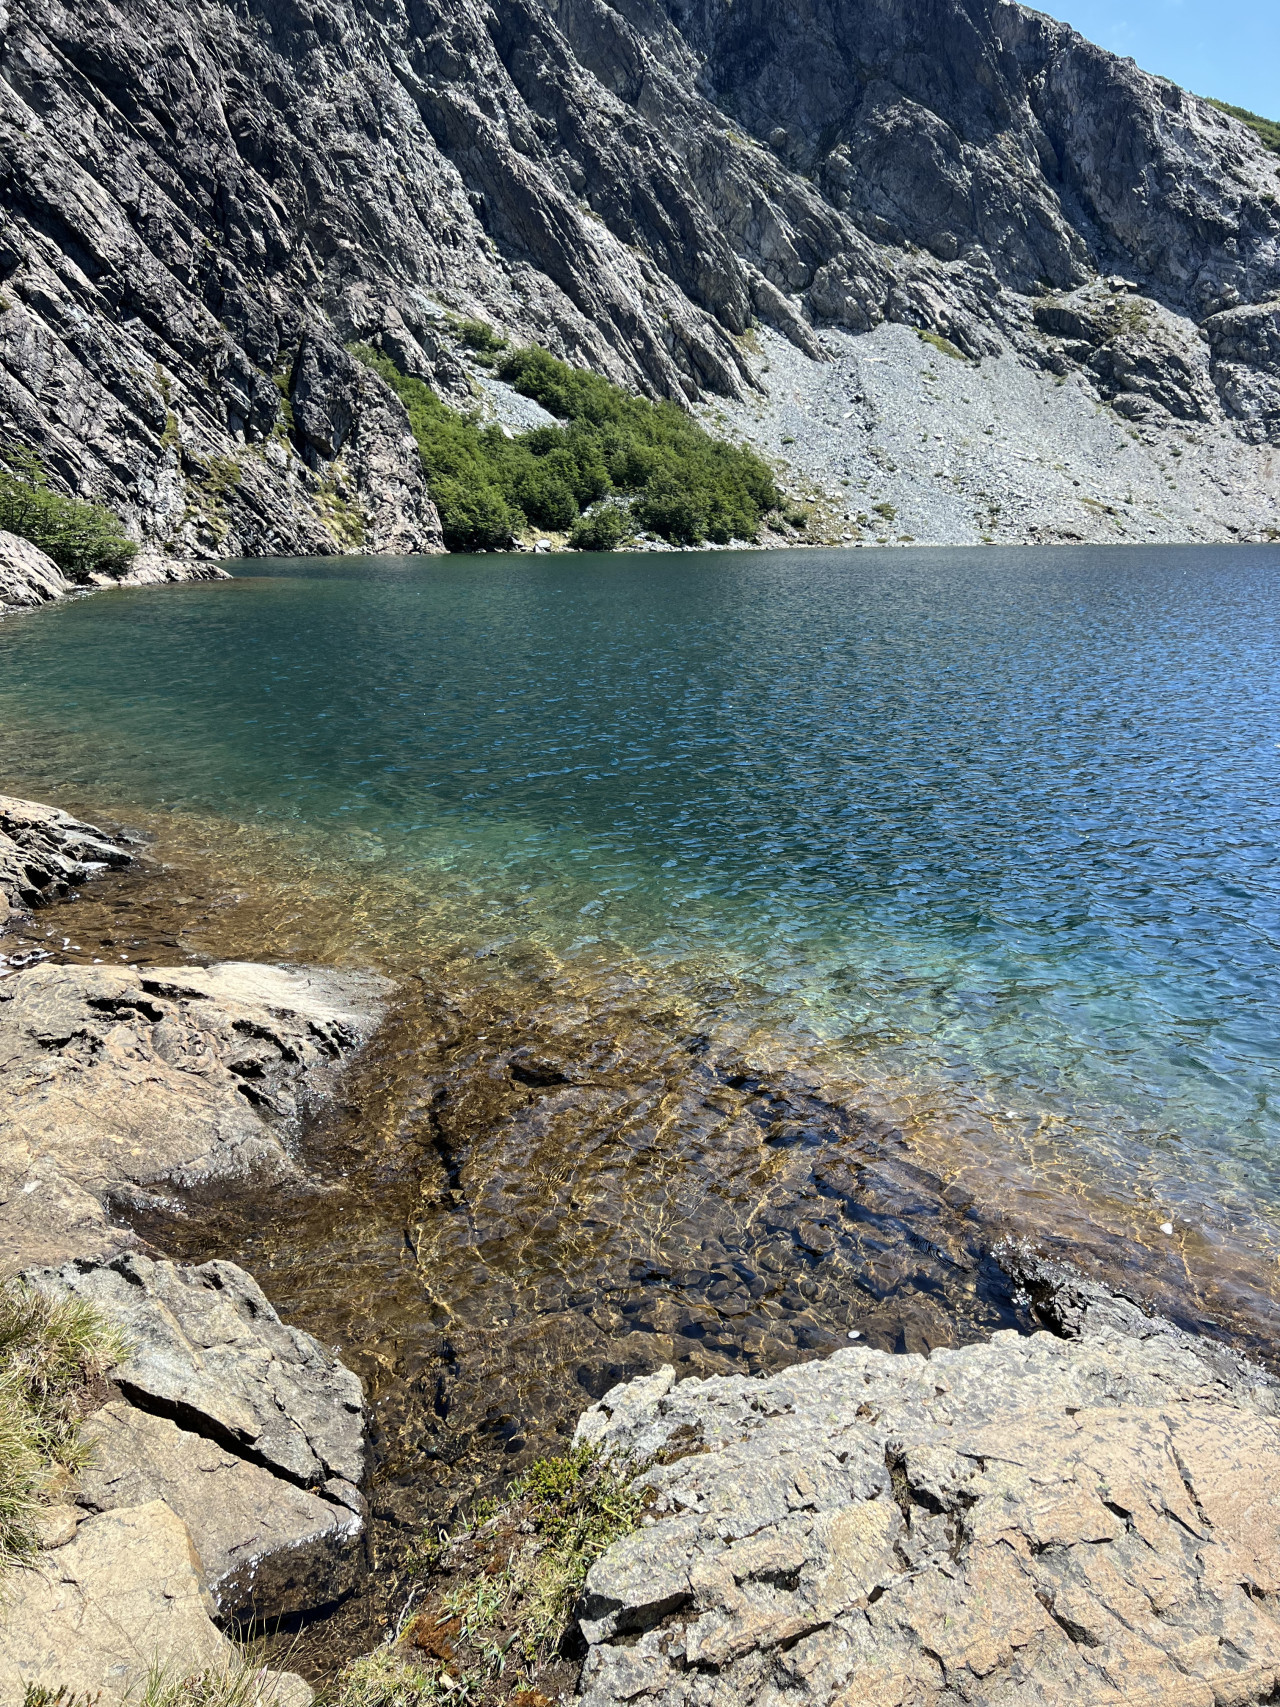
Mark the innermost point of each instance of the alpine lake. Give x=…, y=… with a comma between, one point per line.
x=775, y=934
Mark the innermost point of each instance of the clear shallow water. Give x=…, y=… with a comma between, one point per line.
x=998, y=828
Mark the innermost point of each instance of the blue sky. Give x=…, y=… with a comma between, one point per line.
x=1226, y=48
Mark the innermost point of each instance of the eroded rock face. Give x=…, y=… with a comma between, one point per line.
x=1031, y=1520
x=115, y=1079
x=44, y=851
x=203, y=205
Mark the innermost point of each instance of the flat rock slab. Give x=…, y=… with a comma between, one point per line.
x=268, y=1548
x=114, y=1078
x=1029, y=1521
x=125, y=1595
x=44, y=852
x=208, y=1350
x=127, y=1592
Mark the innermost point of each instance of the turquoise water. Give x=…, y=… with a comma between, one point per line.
x=998, y=824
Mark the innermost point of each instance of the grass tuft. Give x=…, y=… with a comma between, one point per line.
x=943, y=345
x=50, y=1353
x=388, y=1678
x=498, y=1614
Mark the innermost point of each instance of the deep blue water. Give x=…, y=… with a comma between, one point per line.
x=1002, y=823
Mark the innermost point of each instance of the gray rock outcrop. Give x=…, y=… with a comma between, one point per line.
x=1029, y=1520
x=114, y=1079
x=27, y=575
x=200, y=207
x=45, y=852
x=206, y=1348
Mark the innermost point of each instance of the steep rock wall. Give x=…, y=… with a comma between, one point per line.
x=200, y=206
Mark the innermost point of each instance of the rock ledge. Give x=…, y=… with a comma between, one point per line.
x=1030, y=1520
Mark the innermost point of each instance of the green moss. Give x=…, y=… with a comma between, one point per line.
x=82, y=539
x=685, y=485
x=1267, y=129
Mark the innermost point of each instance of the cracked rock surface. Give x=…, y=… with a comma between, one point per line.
x=44, y=852
x=269, y=1549
x=1031, y=1520
x=115, y=1079
x=207, y=1347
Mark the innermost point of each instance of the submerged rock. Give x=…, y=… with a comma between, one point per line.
x=116, y=1078
x=1031, y=1519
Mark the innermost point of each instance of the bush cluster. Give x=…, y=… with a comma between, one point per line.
x=682, y=484
x=82, y=539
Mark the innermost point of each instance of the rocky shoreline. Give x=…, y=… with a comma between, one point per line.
x=1082, y=1513
x=225, y=1464
x=29, y=577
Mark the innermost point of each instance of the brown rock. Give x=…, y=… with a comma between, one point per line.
x=125, y=1594
x=113, y=1078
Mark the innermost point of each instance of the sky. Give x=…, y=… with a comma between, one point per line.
x=1226, y=48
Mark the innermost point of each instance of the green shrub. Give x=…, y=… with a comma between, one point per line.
x=82, y=539
x=603, y=530
x=479, y=337
x=487, y=485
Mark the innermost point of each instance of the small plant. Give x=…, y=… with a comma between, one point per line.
x=49, y=1354
x=886, y=510
x=82, y=539
x=943, y=345
x=38, y=1695
x=514, y=1576
x=388, y=1678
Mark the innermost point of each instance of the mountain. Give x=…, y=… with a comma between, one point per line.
x=202, y=205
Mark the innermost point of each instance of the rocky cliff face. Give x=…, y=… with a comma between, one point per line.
x=202, y=205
